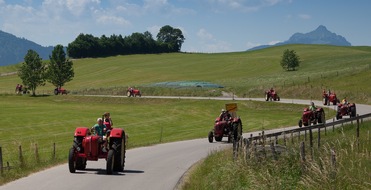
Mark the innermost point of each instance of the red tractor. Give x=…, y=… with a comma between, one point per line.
x=91, y=147
x=346, y=109
x=312, y=117
x=60, y=90
x=227, y=125
x=131, y=92
x=271, y=95
x=231, y=129
x=329, y=97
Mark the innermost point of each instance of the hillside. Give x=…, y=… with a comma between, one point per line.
x=13, y=49
x=318, y=36
x=345, y=70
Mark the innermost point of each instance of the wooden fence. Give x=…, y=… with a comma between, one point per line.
x=262, y=137
x=21, y=158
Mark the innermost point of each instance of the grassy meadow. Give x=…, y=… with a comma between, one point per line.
x=46, y=119
x=345, y=70
x=349, y=170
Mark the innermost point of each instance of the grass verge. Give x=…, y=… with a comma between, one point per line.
x=350, y=170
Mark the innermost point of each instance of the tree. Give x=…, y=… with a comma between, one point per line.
x=60, y=70
x=171, y=38
x=32, y=71
x=290, y=60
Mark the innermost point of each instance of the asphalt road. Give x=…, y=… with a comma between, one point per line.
x=157, y=167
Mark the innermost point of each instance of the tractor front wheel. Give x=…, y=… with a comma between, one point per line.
x=72, y=161
x=210, y=137
x=110, y=161
x=266, y=96
x=300, y=123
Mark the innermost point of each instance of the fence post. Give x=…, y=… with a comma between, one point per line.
x=292, y=138
x=53, y=156
x=1, y=160
x=275, y=139
x=247, y=148
x=284, y=138
x=162, y=128
x=302, y=151
x=37, y=153
x=305, y=135
x=333, y=126
x=310, y=137
x=319, y=136
x=21, y=156
x=273, y=149
x=358, y=131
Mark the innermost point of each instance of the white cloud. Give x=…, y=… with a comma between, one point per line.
x=305, y=16
x=273, y=42
x=107, y=20
x=204, y=35
x=242, y=5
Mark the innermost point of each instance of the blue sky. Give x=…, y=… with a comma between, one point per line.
x=208, y=25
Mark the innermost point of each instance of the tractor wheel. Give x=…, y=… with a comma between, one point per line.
x=128, y=94
x=278, y=98
x=71, y=161
x=321, y=117
x=110, y=161
x=80, y=163
x=218, y=138
x=120, y=156
x=353, y=112
x=300, y=123
x=229, y=138
x=305, y=123
x=210, y=137
x=338, y=116
x=266, y=97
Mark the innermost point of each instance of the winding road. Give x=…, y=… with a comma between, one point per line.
x=157, y=167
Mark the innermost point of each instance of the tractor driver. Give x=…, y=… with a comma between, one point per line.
x=224, y=116
x=312, y=107
x=99, y=129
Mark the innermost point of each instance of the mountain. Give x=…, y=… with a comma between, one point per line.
x=13, y=49
x=319, y=36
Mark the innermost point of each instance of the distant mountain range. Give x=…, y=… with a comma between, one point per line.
x=319, y=36
x=13, y=49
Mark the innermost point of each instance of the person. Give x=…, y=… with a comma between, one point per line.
x=17, y=89
x=107, y=120
x=224, y=115
x=344, y=101
x=99, y=129
x=312, y=107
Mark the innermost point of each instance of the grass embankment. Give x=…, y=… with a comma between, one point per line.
x=345, y=70
x=45, y=120
x=350, y=170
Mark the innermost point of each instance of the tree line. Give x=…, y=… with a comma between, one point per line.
x=168, y=40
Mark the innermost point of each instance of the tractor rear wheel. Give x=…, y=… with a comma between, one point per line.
x=353, y=112
x=338, y=116
x=128, y=94
x=266, y=96
x=119, y=162
x=321, y=117
x=300, y=123
x=71, y=161
x=210, y=137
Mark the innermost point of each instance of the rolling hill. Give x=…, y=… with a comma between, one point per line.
x=13, y=49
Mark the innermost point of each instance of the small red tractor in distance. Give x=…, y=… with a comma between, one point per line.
x=346, y=109
x=60, y=90
x=329, y=97
x=312, y=117
x=90, y=147
x=271, y=95
x=228, y=124
x=131, y=92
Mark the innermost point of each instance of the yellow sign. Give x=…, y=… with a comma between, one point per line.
x=232, y=107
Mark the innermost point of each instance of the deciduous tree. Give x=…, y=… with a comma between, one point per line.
x=32, y=71
x=290, y=60
x=60, y=69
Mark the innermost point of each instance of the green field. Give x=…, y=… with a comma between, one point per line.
x=345, y=70
x=47, y=119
